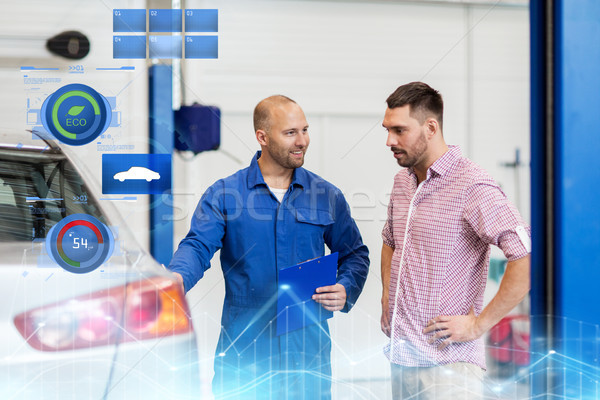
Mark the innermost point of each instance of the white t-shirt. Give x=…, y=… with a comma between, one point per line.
x=279, y=193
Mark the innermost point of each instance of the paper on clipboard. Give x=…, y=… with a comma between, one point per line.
x=297, y=284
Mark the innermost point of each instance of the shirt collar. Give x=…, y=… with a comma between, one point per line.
x=255, y=177
x=443, y=164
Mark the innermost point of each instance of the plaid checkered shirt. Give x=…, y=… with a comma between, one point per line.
x=441, y=232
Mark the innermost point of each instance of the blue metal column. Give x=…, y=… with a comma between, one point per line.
x=577, y=166
x=565, y=141
x=541, y=195
x=162, y=126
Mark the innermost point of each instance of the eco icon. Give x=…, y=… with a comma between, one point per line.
x=76, y=114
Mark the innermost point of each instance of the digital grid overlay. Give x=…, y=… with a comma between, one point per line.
x=165, y=28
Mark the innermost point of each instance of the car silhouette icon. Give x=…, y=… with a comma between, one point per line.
x=137, y=173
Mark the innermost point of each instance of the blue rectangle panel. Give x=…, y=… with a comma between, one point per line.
x=129, y=20
x=165, y=20
x=136, y=173
x=129, y=46
x=165, y=46
x=201, y=47
x=197, y=20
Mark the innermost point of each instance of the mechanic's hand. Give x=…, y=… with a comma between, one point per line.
x=453, y=328
x=179, y=280
x=332, y=298
x=385, y=317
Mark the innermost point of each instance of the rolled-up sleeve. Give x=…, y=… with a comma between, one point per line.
x=496, y=220
x=205, y=237
x=344, y=237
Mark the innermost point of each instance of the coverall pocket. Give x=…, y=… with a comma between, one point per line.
x=310, y=234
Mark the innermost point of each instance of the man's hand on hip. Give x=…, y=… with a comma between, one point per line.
x=453, y=328
x=332, y=298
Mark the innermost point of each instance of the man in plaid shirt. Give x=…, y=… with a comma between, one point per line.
x=444, y=213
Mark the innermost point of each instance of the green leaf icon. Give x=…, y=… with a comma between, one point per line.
x=75, y=110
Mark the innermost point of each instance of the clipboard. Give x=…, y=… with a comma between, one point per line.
x=295, y=306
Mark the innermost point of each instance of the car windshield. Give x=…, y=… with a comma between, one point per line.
x=37, y=190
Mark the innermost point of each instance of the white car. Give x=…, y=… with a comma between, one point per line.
x=137, y=173
x=122, y=331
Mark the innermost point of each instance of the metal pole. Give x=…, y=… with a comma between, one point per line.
x=162, y=127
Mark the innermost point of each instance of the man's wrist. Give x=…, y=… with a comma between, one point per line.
x=179, y=279
x=385, y=294
x=479, y=327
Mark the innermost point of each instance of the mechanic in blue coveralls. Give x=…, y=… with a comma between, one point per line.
x=268, y=216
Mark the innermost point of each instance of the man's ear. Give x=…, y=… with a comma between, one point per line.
x=433, y=127
x=261, y=137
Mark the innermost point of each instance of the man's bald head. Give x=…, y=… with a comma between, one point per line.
x=262, y=111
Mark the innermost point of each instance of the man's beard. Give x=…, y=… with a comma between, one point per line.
x=283, y=157
x=409, y=161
